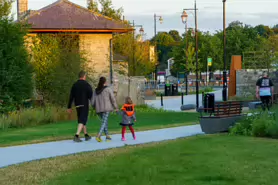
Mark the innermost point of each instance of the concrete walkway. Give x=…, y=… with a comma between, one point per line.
x=19, y=154
x=174, y=103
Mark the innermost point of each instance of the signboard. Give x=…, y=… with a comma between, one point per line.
x=209, y=61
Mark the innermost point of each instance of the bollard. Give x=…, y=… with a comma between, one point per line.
x=161, y=99
x=181, y=98
x=203, y=94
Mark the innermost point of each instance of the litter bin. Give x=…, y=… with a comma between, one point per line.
x=209, y=102
x=175, y=91
x=168, y=91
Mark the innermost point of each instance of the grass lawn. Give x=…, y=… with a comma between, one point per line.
x=200, y=160
x=66, y=130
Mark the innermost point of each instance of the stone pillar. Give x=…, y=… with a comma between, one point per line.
x=95, y=48
x=235, y=65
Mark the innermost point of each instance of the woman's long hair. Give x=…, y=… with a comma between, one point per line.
x=101, y=82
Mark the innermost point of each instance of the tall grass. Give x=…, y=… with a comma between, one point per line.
x=34, y=116
x=50, y=115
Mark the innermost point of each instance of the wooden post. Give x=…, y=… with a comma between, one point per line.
x=235, y=65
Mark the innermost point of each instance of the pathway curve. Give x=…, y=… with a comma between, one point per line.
x=25, y=153
x=174, y=103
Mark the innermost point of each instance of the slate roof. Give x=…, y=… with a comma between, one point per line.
x=65, y=15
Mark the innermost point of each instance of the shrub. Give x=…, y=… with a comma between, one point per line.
x=34, y=117
x=262, y=125
x=15, y=70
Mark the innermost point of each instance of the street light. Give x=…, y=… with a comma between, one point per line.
x=155, y=20
x=160, y=21
x=141, y=31
x=196, y=50
x=184, y=17
x=224, y=92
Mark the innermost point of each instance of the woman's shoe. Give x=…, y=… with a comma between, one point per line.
x=98, y=139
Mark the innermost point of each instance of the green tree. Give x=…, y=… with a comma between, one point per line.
x=138, y=54
x=93, y=5
x=57, y=61
x=175, y=35
x=184, y=59
x=210, y=46
x=164, y=43
x=106, y=9
x=15, y=70
x=5, y=8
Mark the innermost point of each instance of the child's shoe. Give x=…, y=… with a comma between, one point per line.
x=123, y=139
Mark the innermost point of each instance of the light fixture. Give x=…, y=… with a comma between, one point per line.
x=184, y=16
x=160, y=20
x=141, y=31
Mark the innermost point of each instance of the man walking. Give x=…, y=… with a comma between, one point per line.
x=81, y=94
x=264, y=90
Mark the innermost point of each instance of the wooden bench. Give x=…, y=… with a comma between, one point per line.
x=221, y=117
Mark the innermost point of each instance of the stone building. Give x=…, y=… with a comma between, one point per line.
x=94, y=31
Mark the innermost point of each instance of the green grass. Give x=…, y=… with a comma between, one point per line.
x=201, y=160
x=66, y=130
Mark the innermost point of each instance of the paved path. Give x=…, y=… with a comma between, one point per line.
x=174, y=103
x=19, y=154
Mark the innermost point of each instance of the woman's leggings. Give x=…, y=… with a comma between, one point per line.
x=131, y=130
x=104, y=123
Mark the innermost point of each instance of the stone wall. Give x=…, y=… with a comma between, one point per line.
x=246, y=81
x=96, y=48
x=137, y=89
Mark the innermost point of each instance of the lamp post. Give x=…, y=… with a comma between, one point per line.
x=224, y=92
x=160, y=19
x=141, y=31
x=196, y=50
x=184, y=17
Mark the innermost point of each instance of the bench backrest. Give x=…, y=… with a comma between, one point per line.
x=231, y=108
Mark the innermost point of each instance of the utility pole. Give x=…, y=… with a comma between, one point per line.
x=196, y=50
x=224, y=92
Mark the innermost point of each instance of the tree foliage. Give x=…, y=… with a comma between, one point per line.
x=5, y=8
x=260, y=41
x=15, y=71
x=165, y=42
x=106, y=9
x=138, y=54
x=57, y=62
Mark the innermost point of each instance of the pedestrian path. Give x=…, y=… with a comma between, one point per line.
x=174, y=103
x=25, y=153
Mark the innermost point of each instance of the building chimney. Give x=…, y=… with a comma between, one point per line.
x=22, y=8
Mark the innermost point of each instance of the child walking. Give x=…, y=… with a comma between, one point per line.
x=128, y=118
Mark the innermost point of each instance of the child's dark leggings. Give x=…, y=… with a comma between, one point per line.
x=131, y=130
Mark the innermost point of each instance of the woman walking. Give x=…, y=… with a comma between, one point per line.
x=104, y=102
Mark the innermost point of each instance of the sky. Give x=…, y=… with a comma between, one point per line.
x=210, y=16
